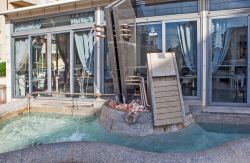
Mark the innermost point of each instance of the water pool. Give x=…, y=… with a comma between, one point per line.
x=35, y=129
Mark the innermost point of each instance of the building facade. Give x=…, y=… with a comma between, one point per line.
x=53, y=48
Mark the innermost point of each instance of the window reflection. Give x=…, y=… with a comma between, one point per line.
x=156, y=8
x=229, y=60
x=181, y=38
x=148, y=40
x=84, y=62
x=21, y=66
x=228, y=4
x=39, y=63
x=60, y=62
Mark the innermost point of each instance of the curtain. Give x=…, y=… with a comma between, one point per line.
x=62, y=41
x=187, y=34
x=21, y=53
x=221, y=39
x=21, y=59
x=85, y=48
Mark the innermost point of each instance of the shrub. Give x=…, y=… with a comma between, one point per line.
x=3, y=69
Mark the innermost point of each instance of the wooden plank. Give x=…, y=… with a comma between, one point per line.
x=168, y=110
x=169, y=115
x=166, y=94
x=168, y=121
x=167, y=99
x=168, y=104
x=164, y=83
x=166, y=89
x=164, y=78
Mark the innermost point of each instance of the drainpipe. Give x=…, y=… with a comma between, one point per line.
x=99, y=55
x=204, y=33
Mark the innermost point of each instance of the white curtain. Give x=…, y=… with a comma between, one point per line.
x=21, y=59
x=85, y=48
x=187, y=34
x=21, y=53
x=221, y=40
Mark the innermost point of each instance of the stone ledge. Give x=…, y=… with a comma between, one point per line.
x=222, y=118
x=236, y=151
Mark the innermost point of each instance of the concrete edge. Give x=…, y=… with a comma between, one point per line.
x=235, y=151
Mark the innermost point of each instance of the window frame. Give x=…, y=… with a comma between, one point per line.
x=181, y=18
x=49, y=31
x=199, y=57
x=209, y=58
x=13, y=70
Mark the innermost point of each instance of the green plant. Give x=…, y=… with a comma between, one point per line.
x=3, y=69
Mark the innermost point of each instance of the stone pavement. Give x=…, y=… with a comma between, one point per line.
x=232, y=152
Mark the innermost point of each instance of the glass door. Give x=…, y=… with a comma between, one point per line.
x=181, y=39
x=39, y=63
x=229, y=60
x=84, y=62
x=21, y=66
x=60, y=62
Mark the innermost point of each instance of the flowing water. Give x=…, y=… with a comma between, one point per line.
x=36, y=129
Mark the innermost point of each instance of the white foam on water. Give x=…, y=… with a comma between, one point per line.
x=77, y=136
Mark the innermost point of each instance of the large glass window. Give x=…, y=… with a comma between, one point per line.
x=60, y=62
x=164, y=7
x=84, y=62
x=228, y=4
x=181, y=38
x=148, y=40
x=229, y=60
x=21, y=66
x=39, y=63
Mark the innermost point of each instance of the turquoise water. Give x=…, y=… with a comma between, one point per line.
x=37, y=129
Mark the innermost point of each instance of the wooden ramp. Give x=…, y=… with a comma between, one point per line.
x=164, y=87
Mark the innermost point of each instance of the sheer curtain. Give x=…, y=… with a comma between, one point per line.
x=85, y=48
x=222, y=35
x=187, y=34
x=21, y=53
x=21, y=59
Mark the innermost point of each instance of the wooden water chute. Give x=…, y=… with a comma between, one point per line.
x=165, y=89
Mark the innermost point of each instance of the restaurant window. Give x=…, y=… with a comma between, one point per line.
x=229, y=62
x=84, y=62
x=148, y=40
x=181, y=39
x=228, y=4
x=39, y=63
x=60, y=62
x=21, y=66
x=147, y=8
